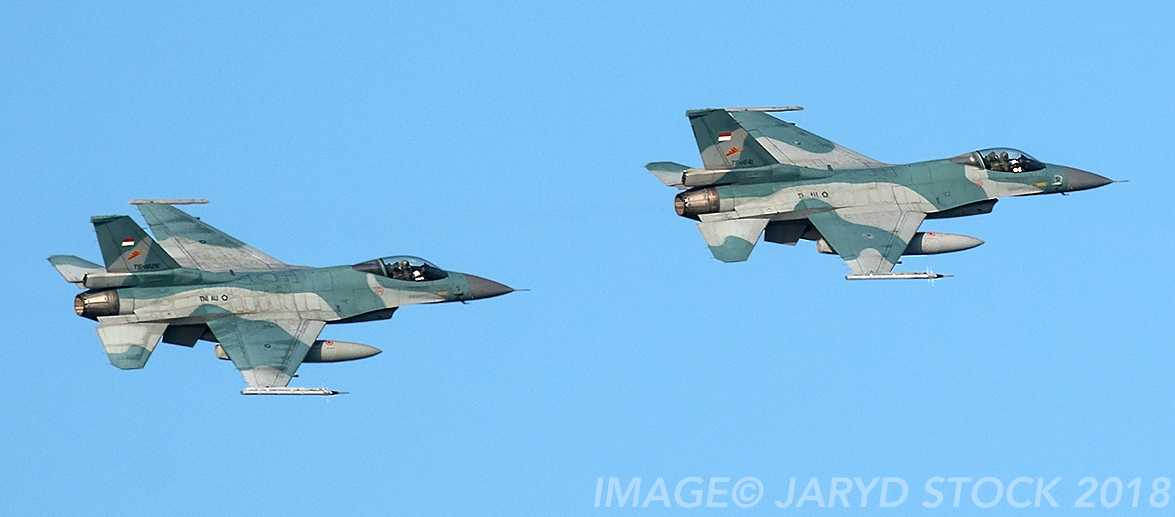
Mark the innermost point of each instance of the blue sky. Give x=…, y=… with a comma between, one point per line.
x=507, y=141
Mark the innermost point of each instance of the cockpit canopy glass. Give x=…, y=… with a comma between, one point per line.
x=1000, y=160
x=403, y=267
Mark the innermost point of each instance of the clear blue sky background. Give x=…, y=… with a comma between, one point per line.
x=507, y=140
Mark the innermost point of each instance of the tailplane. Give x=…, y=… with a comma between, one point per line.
x=732, y=240
x=669, y=173
x=126, y=248
x=128, y=346
x=74, y=269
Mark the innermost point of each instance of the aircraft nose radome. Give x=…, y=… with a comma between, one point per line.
x=482, y=288
x=1082, y=180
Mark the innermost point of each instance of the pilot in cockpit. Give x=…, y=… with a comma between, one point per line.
x=1017, y=167
x=401, y=271
x=999, y=163
x=993, y=162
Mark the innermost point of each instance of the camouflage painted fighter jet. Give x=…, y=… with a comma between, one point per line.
x=197, y=283
x=762, y=175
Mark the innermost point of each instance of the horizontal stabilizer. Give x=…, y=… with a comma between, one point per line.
x=732, y=240
x=668, y=172
x=130, y=345
x=74, y=269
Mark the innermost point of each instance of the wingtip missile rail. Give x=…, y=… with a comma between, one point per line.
x=292, y=391
x=168, y=201
x=767, y=109
x=898, y=275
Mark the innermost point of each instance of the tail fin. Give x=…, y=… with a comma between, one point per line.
x=126, y=248
x=724, y=143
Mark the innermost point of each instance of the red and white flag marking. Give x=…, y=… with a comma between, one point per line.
x=724, y=137
x=128, y=242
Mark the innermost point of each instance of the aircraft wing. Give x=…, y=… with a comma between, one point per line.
x=869, y=239
x=195, y=244
x=788, y=143
x=267, y=351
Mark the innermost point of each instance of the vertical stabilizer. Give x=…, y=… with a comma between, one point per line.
x=126, y=248
x=724, y=143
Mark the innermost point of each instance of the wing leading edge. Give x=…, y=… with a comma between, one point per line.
x=869, y=239
x=267, y=351
x=195, y=244
x=790, y=143
x=749, y=137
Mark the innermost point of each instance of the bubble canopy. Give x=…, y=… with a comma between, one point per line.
x=402, y=267
x=1000, y=159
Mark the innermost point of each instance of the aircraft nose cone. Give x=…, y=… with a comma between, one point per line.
x=482, y=288
x=1082, y=180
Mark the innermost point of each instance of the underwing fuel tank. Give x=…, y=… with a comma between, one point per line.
x=924, y=243
x=327, y=352
x=933, y=243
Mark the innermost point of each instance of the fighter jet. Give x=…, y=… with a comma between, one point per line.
x=762, y=175
x=196, y=282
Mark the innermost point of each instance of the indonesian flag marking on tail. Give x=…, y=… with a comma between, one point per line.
x=724, y=137
x=128, y=242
